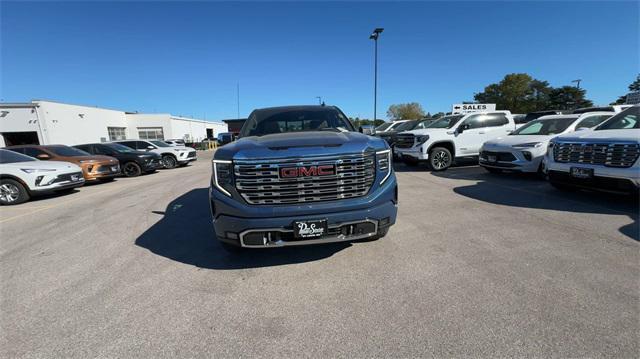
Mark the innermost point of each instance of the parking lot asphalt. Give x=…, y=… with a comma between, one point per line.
x=477, y=265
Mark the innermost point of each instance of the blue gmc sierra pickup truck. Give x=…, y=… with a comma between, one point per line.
x=301, y=175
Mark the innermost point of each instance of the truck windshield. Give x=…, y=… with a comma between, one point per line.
x=66, y=151
x=273, y=121
x=384, y=126
x=7, y=156
x=406, y=126
x=629, y=118
x=446, y=122
x=544, y=127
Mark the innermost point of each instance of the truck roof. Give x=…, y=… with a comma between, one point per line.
x=294, y=108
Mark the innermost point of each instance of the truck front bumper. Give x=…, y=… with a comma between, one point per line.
x=261, y=226
x=413, y=152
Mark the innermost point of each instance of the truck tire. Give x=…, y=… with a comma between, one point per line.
x=131, y=169
x=440, y=159
x=168, y=161
x=12, y=192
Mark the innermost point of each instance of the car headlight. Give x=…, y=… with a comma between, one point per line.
x=223, y=176
x=383, y=160
x=528, y=145
x=422, y=139
x=36, y=170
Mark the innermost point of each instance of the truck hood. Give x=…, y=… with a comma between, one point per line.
x=299, y=144
x=430, y=131
x=516, y=140
x=631, y=135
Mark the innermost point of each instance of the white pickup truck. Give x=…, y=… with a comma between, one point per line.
x=451, y=137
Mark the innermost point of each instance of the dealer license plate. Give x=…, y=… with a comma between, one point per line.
x=579, y=172
x=492, y=158
x=114, y=168
x=310, y=229
x=75, y=177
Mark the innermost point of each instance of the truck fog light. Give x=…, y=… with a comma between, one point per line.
x=231, y=235
x=527, y=155
x=38, y=180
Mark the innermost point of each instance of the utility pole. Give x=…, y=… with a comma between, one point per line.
x=577, y=82
x=374, y=36
x=238, y=98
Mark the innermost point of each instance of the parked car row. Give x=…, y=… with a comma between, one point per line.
x=29, y=170
x=594, y=147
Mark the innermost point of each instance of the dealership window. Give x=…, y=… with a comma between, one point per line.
x=150, y=133
x=116, y=133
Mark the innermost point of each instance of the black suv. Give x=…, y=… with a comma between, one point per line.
x=132, y=162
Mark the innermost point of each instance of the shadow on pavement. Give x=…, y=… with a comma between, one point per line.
x=423, y=166
x=529, y=191
x=185, y=234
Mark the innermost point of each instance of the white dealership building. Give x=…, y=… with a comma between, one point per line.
x=48, y=122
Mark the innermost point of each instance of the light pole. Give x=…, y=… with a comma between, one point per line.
x=374, y=36
x=319, y=100
x=577, y=82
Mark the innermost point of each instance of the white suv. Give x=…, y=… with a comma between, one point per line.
x=524, y=149
x=22, y=176
x=452, y=136
x=172, y=156
x=605, y=158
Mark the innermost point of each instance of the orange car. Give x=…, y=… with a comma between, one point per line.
x=93, y=167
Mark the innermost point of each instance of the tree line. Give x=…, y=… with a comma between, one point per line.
x=518, y=93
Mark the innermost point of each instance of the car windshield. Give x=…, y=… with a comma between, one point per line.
x=446, y=122
x=627, y=119
x=160, y=143
x=119, y=148
x=383, y=127
x=406, y=126
x=7, y=156
x=273, y=121
x=66, y=151
x=545, y=127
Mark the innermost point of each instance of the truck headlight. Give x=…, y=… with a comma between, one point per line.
x=383, y=161
x=422, y=139
x=36, y=170
x=223, y=176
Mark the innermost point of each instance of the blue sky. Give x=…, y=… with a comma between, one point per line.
x=186, y=58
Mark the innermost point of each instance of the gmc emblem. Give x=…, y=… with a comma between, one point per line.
x=308, y=171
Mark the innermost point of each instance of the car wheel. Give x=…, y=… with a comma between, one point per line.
x=440, y=159
x=169, y=161
x=493, y=170
x=12, y=192
x=131, y=169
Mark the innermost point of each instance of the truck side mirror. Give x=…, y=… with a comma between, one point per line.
x=463, y=127
x=150, y=148
x=360, y=129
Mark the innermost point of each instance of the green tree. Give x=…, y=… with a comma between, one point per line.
x=568, y=98
x=633, y=87
x=519, y=93
x=405, y=111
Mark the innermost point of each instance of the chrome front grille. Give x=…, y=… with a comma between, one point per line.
x=604, y=154
x=405, y=140
x=259, y=182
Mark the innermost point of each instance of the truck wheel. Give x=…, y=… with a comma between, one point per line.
x=169, y=161
x=131, y=169
x=440, y=159
x=12, y=192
